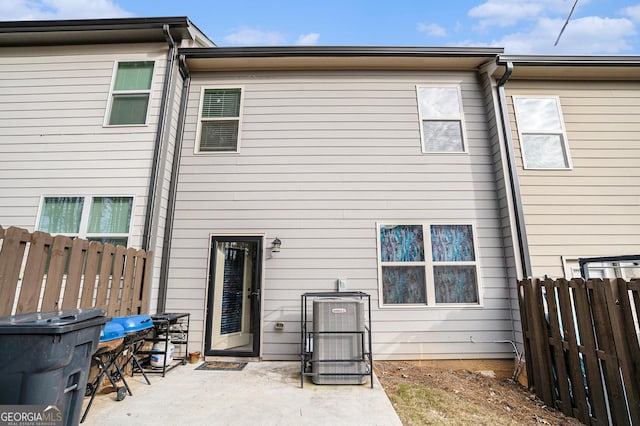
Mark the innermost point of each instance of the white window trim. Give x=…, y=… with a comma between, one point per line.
x=428, y=264
x=107, y=115
x=196, y=145
x=84, y=217
x=563, y=133
x=463, y=126
x=609, y=270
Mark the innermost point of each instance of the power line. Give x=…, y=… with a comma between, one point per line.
x=566, y=22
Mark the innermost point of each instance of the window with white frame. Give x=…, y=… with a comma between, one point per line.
x=96, y=218
x=438, y=270
x=626, y=269
x=441, y=119
x=130, y=93
x=543, y=139
x=219, y=126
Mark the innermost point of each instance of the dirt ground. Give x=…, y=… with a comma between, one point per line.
x=427, y=395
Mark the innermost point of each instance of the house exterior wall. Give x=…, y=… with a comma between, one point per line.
x=323, y=157
x=590, y=210
x=53, y=102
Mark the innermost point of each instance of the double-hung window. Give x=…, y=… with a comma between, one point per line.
x=130, y=93
x=96, y=218
x=441, y=119
x=219, y=127
x=543, y=139
x=440, y=269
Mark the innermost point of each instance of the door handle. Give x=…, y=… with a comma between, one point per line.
x=255, y=293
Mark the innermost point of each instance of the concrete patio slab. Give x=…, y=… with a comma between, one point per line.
x=263, y=393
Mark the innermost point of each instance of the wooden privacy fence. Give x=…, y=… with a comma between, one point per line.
x=40, y=272
x=581, y=346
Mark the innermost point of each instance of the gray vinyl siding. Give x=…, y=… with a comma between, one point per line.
x=323, y=157
x=592, y=209
x=53, y=102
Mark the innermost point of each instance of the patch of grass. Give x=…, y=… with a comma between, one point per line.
x=417, y=404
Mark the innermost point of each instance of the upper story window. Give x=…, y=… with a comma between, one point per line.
x=219, y=126
x=130, y=93
x=104, y=219
x=442, y=119
x=441, y=270
x=543, y=139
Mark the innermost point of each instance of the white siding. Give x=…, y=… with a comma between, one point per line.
x=324, y=155
x=592, y=209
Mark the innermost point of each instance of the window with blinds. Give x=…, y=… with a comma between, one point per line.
x=219, y=120
x=442, y=119
x=130, y=92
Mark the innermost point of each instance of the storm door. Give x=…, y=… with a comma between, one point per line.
x=233, y=319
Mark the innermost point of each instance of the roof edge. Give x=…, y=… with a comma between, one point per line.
x=569, y=60
x=92, y=24
x=337, y=51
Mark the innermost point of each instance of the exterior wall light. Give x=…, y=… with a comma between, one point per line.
x=275, y=245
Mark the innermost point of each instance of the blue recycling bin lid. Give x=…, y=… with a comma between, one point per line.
x=54, y=322
x=111, y=331
x=133, y=323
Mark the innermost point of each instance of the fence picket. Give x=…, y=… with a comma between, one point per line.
x=557, y=349
x=116, y=282
x=55, y=274
x=589, y=353
x=607, y=352
x=10, y=263
x=127, y=284
x=72, y=265
x=573, y=352
x=90, y=272
x=617, y=295
x=105, y=276
x=74, y=274
x=146, y=283
x=34, y=272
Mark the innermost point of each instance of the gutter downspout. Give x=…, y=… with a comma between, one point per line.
x=173, y=186
x=513, y=174
x=155, y=164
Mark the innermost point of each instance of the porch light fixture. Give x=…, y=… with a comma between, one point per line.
x=275, y=245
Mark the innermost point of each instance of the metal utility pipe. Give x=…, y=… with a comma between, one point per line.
x=157, y=149
x=521, y=231
x=173, y=186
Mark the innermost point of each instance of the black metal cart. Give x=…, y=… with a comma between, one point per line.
x=362, y=357
x=174, y=329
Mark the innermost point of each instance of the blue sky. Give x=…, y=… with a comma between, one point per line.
x=520, y=26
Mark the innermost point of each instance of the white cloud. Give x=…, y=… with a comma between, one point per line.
x=632, y=12
x=587, y=35
x=19, y=10
x=252, y=37
x=308, y=39
x=505, y=13
x=432, y=30
x=508, y=13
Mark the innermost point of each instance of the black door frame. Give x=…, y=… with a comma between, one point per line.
x=256, y=299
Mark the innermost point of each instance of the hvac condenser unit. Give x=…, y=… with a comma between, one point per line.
x=338, y=340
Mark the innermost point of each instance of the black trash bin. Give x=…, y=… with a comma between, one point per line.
x=45, y=358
